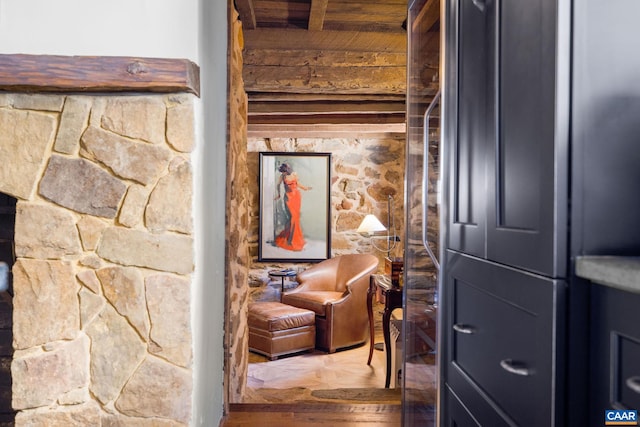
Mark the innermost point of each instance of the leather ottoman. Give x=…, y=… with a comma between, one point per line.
x=276, y=329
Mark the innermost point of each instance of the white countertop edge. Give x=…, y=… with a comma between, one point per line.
x=615, y=271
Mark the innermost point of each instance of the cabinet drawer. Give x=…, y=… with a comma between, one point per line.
x=615, y=349
x=503, y=337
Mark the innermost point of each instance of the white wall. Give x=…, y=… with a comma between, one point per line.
x=210, y=175
x=150, y=28
x=190, y=29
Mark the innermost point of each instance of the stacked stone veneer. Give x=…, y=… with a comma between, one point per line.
x=237, y=223
x=104, y=250
x=364, y=172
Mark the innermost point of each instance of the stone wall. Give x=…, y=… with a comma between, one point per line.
x=364, y=172
x=104, y=249
x=237, y=262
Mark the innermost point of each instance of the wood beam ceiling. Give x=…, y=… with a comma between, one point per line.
x=327, y=66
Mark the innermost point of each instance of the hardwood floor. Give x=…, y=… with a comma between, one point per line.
x=313, y=415
x=290, y=377
x=319, y=389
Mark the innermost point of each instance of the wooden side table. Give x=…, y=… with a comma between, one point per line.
x=392, y=300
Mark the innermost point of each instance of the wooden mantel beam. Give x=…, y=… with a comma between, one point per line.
x=52, y=73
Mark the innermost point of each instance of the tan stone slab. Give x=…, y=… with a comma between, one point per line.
x=165, y=252
x=45, y=302
x=25, y=138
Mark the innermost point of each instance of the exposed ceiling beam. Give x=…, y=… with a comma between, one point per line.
x=337, y=118
x=290, y=39
x=316, y=14
x=362, y=130
x=247, y=13
x=428, y=16
x=329, y=107
x=327, y=58
x=309, y=79
x=306, y=97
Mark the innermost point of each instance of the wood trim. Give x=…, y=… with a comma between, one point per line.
x=53, y=73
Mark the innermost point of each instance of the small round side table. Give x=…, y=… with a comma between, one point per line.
x=282, y=274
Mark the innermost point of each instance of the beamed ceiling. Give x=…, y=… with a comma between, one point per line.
x=331, y=67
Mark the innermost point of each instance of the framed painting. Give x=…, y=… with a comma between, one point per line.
x=295, y=210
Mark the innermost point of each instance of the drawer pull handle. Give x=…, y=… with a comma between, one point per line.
x=633, y=383
x=515, y=368
x=463, y=329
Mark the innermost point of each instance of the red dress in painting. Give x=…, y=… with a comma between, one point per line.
x=291, y=237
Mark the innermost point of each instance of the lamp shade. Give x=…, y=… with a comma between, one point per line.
x=370, y=224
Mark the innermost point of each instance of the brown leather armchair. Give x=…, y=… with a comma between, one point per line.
x=336, y=290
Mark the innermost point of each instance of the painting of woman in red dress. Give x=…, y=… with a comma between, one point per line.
x=291, y=237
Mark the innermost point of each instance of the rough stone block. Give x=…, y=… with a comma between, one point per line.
x=45, y=302
x=124, y=289
x=110, y=369
x=169, y=207
x=45, y=232
x=164, y=252
x=63, y=416
x=25, y=137
x=137, y=117
x=73, y=121
x=180, y=127
x=82, y=186
x=138, y=161
x=169, y=310
x=27, y=101
x=90, y=229
x=66, y=367
x=157, y=389
x=133, y=207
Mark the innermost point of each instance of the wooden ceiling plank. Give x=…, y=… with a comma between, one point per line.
x=369, y=80
x=363, y=130
x=247, y=14
x=317, y=14
x=292, y=39
x=309, y=97
x=301, y=58
x=325, y=107
x=294, y=119
x=282, y=14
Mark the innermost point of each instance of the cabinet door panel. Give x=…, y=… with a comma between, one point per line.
x=501, y=326
x=469, y=151
x=615, y=350
x=526, y=172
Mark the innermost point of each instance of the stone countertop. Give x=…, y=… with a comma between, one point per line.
x=615, y=271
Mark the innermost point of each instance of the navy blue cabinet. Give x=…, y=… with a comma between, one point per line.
x=614, y=351
x=502, y=348
x=541, y=165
